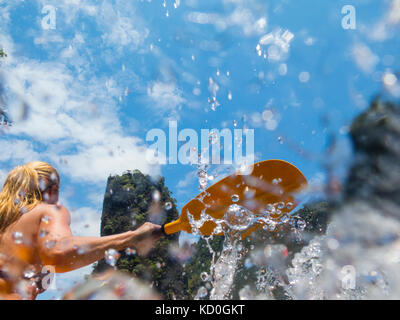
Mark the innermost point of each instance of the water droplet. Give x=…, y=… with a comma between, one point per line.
x=269, y=226
x=333, y=244
x=203, y=183
x=42, y=184
x=156, y=195
x=238, y=218
x=29, y=272
x=18, y=237
x=43, y=233
x=249, y=193
x=81, y=250
x=168, y=206
x=281, y=205
x=54, y=178
x=285, y=219
x=304, y=77
x=301, y=224
x=46, y=219
x=289, y=205
x=245, y=169
x=204, y=276
x=130, y=252
x=111, y=256
x=202, y=292
x=235, y=198
x=270, y=208
x=49, y=244
x=282, y=69
x=317, y=267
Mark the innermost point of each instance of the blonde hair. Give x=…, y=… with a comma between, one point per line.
x=23, y=190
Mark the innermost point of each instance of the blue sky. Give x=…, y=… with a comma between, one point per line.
x=111, y=71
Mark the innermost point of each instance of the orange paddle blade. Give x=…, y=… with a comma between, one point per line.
x=270, y=182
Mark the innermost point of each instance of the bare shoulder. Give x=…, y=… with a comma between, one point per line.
x=52, y=211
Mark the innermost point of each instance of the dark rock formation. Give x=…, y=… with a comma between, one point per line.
x=128, y=203
x=375, y=174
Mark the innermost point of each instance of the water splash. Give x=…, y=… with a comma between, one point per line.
x=213, y=89
x=111, y=257
x=225, y=267
x=237, y=219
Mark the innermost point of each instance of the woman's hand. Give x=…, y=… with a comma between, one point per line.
x=145, y=237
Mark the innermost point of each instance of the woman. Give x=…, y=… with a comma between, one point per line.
x=35, y=232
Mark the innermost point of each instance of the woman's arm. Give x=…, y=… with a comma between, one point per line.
x=60, y=249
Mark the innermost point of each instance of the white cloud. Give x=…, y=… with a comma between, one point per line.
x=17, y=150
x=245, y=16
x=365, y=59
x=66, y=118
x=385, y=27
x=188, y=180
x=121, y=27
x=123, y=33
x=96, y=163
x=394, y=12
x=85, y=222
x=48, y=39
x=165, y=95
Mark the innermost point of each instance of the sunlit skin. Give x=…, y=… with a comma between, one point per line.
x=48, y=241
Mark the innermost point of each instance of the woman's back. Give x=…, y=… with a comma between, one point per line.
x=18, y=248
